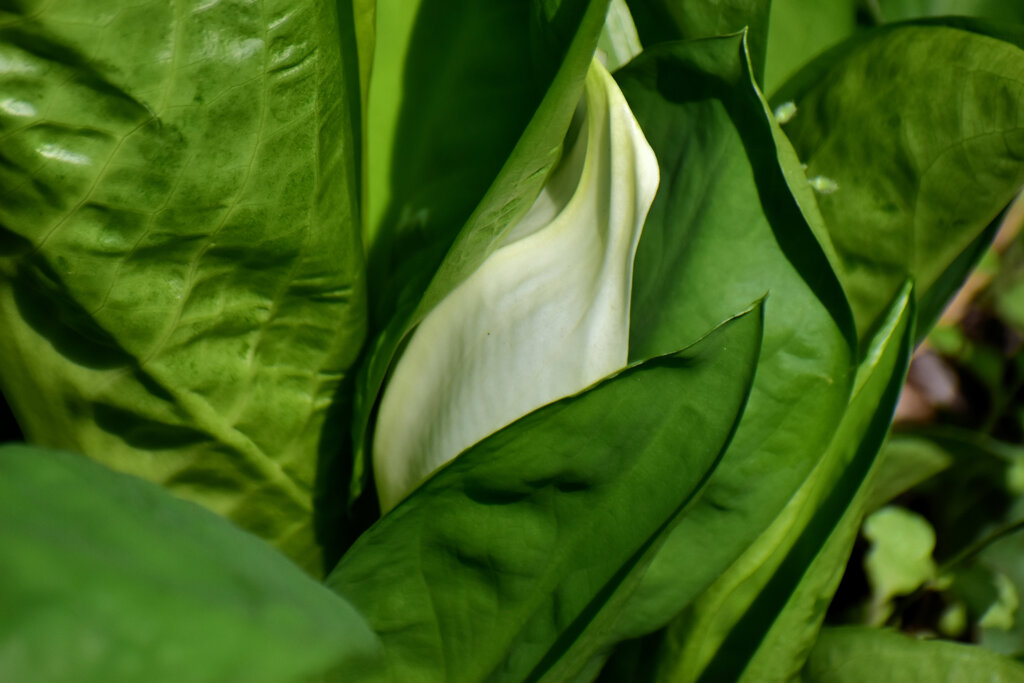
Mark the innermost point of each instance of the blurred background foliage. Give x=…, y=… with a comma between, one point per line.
x=942, y=554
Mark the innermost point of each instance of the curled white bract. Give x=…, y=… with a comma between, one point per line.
x=546, y=314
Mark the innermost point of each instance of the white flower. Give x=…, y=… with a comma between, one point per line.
x=546, y=314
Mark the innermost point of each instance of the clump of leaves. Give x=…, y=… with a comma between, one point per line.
x=543, y=363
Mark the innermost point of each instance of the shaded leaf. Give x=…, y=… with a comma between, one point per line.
x=724, y=226
x=757, y=621
x=1003, y=10
x=107, y=578
x=905, y=461
x=428, y=251
x=799, y=30
x=508, y=564
x=660, y=21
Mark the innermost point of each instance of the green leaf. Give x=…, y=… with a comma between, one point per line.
x=906, y=460
x=530, y=325
x=757, y=621
x=918, y=183
x=660, y=21
x=181, y=281
x=854, y=654
x=899, y=10
x=449, y=102
x=900, y=557
x=723, y=228
x=799, y=30
x=106, y=578
x=458, y=219
x=508, y=564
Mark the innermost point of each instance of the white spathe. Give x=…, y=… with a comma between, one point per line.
x=545, y=316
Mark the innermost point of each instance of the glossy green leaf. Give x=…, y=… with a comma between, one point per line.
x=756, y=622
x=106, y=578
x=918, y=183
x=421, y=258
x=801, y=29
x=508, y=564
x=724, y=226
x=855, y=654
x=181, y=281
x=530, y=325
x=660, y=21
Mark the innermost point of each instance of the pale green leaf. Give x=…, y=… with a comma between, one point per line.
x=181, y=279
x=105, y=578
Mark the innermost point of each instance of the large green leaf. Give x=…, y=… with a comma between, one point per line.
x=181, y=281
x=106, y=578
x=761, y=616
x=509, y=562
x=503, y=114
x=724, y=228
x=854, y=654
x=914, y=184
x=659, y=21
x=798, y=30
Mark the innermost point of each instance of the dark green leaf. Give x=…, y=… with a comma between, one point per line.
x=724, y=228
x=660, y=21
x=855, y=654
x=508, y=564
x=1003, y=10
x=181, y=281
x=918, y=182
x=906, y=460
x=106, y=578
x=757, y=621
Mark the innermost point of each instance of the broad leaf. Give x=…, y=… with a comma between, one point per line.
x=105, y=578
x=724, y=227
x=854, y=654
x=546, y=315
x=660, y=21
x=911, y=187
x=426, y=250
x=181, y=281
x=756, y=622
x=508, y=564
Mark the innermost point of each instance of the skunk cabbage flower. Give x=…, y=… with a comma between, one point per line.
x=544, y=316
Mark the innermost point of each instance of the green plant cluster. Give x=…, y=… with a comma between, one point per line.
x=518, y=340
